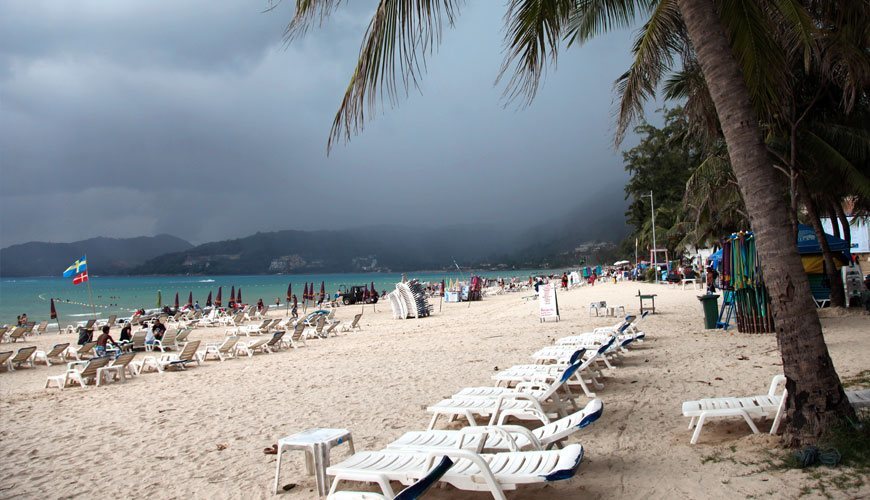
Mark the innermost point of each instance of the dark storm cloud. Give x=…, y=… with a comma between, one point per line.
x=192, y=118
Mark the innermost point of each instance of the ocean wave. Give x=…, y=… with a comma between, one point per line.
x=85, y=314
x=205, y=281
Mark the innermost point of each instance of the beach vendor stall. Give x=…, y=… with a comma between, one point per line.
x=814, y=263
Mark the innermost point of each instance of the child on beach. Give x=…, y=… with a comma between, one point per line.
x=103, y=340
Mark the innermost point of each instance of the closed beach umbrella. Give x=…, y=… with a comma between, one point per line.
x=233, y=294
x=289, y=292
x=305, y=292
x=159, y=299
x=366, y=292
x=176, y=300
x=239, y=295
x=442, y=288
x=208, y=300
x=190, y=299
x=53, y=310
x=217, y=300
x=322, y=291
x=374, y=292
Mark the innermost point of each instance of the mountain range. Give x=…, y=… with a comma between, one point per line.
x=105, y=255
x=557, y=242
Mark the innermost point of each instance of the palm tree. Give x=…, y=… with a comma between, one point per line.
x=739, y=60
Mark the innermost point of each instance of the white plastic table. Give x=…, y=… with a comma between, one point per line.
x=316, y=443
x=613, y=310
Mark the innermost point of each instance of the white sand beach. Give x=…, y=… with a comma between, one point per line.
x=200, y=433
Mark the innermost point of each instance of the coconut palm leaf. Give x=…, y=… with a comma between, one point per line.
x=392, y=58
x=533, y=32
x=822, y=153
x=661, y=38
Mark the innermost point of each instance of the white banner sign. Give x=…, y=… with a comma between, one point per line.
x=547, y=301
x=860, y=232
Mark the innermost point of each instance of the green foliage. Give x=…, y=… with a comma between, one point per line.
x=662, y=162
x=650, y=275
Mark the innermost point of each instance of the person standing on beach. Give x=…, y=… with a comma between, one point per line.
x=564, y=280
x=294, y=312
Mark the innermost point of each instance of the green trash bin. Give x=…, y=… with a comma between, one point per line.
x=711, y=310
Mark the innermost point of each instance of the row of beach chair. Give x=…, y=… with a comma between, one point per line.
x=498, y=457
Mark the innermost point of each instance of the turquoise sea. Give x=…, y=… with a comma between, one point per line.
x=121, y=295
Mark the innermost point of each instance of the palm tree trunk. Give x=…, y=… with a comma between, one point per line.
x=844, y=221
x=816, y=399
x=832, y=215
x=838, y=295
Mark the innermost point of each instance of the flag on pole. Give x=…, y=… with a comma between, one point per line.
x=77, y=268
x=80, y=278
x=53, y=310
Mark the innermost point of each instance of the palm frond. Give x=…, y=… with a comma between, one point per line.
x=756, y=48
x=823, y=153
x=660, y=39
x=308, y=13
x=590, y=18
x=797, y=28
x=533, y=32
x=392, y=57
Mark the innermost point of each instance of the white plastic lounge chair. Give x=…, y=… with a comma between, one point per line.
x=118, y=369
x=86, y=349
x=471, y=471
x=175, y=360
x=41, y=327
x=259, y=345
x=353, y=324
x=24, y=356
x=168, y=342
x=181, y=338
x=297, y=339
x=331, y=329
x=56, y=353
x=412, y=492
x=585, y=375
x=529, y=396
x=765, y=405
x=504, y=437
x=4, y=360
x=222, y=351
x=561, y=353
x=78, y=372
x=17, y=334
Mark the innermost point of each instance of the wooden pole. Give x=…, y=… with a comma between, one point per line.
x=91, y=296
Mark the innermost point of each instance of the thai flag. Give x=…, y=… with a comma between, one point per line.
x=80, y=278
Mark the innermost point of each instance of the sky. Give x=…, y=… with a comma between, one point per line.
x=195, y=119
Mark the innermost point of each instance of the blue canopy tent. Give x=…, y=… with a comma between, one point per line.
x=814, y=264
x=808, y=243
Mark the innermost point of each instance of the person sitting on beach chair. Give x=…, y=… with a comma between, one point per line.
x=103, y=340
